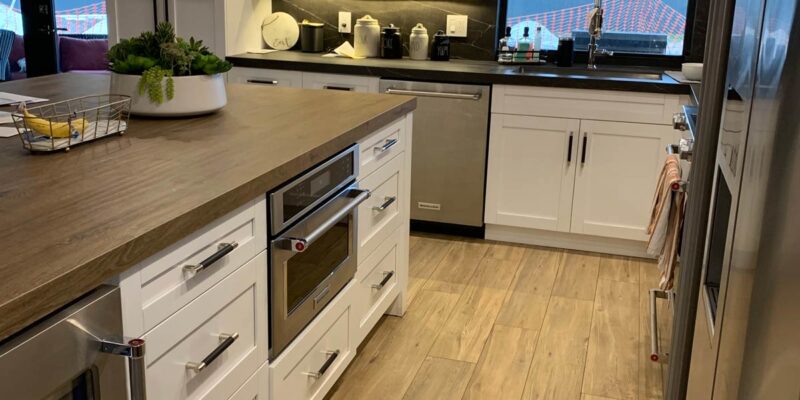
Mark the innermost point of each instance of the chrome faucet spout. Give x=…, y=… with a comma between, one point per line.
x=595, y=32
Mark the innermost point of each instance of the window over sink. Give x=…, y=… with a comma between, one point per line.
x=642, y=27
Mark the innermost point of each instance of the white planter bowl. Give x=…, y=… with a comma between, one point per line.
x=194, y=95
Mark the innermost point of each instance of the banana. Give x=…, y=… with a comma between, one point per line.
x=54, y=129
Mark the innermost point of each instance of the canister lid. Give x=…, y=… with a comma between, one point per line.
x=419, y=28
x=391, y=29
x=367, y=20
x=309, y=23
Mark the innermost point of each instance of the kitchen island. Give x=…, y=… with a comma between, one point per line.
x=72, y=221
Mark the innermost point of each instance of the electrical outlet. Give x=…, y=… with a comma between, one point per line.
x=345, y=22
x=457, y=25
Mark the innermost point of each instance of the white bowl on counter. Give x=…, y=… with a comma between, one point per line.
x=692, y=71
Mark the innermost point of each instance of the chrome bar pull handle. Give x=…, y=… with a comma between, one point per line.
x=134, y=351
x=386, y=145
x=332, y=355
x=388, y=202
x=655, y=352
x=223, y=249
x=262, y=82
x=340, y=88
x=387, y=276
x=445, y=95
x=227, y=341
x=569, y=148
x=583, y=151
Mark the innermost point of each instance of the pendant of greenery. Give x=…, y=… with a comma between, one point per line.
x=159, y=56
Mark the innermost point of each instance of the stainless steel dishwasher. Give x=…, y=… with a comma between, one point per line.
x=448, y=169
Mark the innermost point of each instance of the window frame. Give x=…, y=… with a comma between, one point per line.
x=581, y=55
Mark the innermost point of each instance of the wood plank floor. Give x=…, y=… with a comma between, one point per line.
x=498, y=321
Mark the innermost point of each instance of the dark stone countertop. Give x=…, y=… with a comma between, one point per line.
x=634, y=79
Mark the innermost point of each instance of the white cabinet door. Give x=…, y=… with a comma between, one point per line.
x=531, y=172
x=266, y=77
x=129, y=18
x=201, y=19
x=618, y=165
x=350, y=83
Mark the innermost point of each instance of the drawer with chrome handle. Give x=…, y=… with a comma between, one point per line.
x=388, y=144
x=379, y=148
x=226, y=340
x=223, y=249
x=332, y=355
x=263, y=82
x=388, y=201
x=387, y=276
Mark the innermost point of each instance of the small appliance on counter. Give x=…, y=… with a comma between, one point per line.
x=367, y=37
x=418, y=43
x=566, y=52
x=391, y=42
x=311, y=37
x=441, y=47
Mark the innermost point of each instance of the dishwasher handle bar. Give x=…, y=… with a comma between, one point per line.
x=443, y=95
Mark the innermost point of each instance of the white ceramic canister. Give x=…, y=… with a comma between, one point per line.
x=367, y=37
x=418, y=43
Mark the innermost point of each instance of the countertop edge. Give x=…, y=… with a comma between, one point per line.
x=451, y=76
x=49, y=297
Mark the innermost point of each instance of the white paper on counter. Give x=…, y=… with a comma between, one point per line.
x=8, y=131
x=11, y=98
x=347, y=50
x=5, y=117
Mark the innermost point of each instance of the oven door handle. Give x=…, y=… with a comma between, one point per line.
x=300, y=244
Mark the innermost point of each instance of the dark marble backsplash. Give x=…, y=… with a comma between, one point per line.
x=478, y=45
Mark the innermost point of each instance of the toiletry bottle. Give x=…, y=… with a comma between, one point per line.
x=537, y=45
x=524, y=46
x=505, y=47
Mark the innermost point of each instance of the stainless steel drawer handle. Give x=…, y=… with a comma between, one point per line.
x=388, y=201
x=226, y=341
x=387, y=276
x=445, y=95
x=223, y=249
x=324, y=368
x=386, y=145
x=262, y=82
x=300, y=244
x=134, y=351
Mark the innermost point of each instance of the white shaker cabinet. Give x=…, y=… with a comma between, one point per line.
x=531, y=171
x=266, y=77
x=615, y=181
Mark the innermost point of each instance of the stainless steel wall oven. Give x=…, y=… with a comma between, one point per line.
x=312, y=244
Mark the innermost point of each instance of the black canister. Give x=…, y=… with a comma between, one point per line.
x=566, y=52
x=311, y=37
x=440, y=51
x=391, y=42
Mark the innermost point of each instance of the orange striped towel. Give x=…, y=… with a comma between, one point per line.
x=666, y=220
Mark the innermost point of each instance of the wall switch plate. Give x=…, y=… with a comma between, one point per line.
x=345, y=22
x=457, y=25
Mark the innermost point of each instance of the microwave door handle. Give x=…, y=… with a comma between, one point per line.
x=299, y=244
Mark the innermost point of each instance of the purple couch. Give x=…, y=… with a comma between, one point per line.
x=74, y=55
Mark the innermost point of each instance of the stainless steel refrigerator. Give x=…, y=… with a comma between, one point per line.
x=737, y=329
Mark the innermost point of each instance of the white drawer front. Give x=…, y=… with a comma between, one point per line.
x=256, y=388
x=603, y=105
x=235, y=305
x=291, y=373
x=381, y=214
x=266, y=77
x=164, y=283
x=364, y=84
x=376, y=285
x=379, y=148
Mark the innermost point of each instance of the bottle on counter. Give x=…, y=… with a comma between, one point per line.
x=537, y=45
x=367, y=37
x=524, y=46
x=418, y=43
x=507, y=47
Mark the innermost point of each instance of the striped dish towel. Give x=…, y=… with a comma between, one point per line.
x=666, y=221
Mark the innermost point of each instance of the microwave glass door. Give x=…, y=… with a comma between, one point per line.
x=308, y=191
x=307, y=270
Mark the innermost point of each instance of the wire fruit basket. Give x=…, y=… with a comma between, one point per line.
x=61, y=125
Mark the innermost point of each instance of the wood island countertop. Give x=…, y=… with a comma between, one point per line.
x=71, y=221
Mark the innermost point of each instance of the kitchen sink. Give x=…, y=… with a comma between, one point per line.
x=582, y=73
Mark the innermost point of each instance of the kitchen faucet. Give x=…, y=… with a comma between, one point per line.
x=595, y=31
